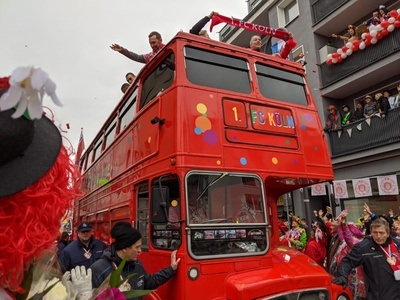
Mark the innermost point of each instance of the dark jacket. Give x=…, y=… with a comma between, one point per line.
x=142, y=281
x=357, y=115
x=383, y=105
x=199, y=25
x=73, y=254
x=380, y=281
x=61, y=245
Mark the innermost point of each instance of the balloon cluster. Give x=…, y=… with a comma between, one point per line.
x=376, y=33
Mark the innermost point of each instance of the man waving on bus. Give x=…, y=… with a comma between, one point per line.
x=155, y=42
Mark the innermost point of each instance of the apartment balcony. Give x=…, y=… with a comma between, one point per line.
x=323, y=8
x=380, y=58
x=360, y=136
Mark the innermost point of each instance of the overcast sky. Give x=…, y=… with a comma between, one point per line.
x=70, y=39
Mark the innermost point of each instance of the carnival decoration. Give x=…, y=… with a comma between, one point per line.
x=375, y=33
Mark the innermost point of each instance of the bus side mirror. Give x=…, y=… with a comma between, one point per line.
x=159, y=204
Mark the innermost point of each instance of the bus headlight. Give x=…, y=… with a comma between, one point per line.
x=193, y=273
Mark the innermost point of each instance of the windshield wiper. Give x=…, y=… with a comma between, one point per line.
x=211, y=183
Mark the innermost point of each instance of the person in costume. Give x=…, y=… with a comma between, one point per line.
x=296, y=237
x=38, y=185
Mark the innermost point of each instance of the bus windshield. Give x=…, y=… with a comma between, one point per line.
x=224, y=198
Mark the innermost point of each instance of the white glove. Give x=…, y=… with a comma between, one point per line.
x=82, y=281
x=72, y=292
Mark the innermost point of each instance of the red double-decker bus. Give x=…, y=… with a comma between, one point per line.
x=195, y=156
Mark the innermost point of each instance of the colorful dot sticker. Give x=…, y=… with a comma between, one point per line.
x=243, y=161
x=274, y=160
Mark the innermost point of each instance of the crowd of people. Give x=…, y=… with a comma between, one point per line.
x=381, y=102
x=363, y=256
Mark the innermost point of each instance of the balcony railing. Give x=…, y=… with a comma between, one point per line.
x=323, y=8
x=380, y=132
x=389, y=45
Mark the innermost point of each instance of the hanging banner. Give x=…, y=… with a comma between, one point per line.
x=290, y=43
x=388, y=185
x=318, y=189
x=362, y=187
x=340, y=189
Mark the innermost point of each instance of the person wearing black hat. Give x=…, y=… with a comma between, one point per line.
x=38, y=184
x=82, y=252
x=127, y=244
x=347, y=114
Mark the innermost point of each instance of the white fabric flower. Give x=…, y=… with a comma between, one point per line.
x=27, y=88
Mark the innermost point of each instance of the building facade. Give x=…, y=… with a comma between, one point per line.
x=365, y=153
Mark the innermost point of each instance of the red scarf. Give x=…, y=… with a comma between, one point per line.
x=261, y=29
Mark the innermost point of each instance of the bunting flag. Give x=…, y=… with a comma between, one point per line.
x=339, y=133
x=349, y=131
x=81, y=147
x=362, y=187
x=368, y=121
x=388, y=185
x=340, y=189
x=260, y=29
x=359, y=127
x=318, y=189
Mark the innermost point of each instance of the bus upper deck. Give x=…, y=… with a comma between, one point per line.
x=233, y=107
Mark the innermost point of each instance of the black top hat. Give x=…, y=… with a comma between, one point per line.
x=28, y=149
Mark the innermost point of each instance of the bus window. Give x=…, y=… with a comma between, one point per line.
x=143, y=212
x=281, y=85
x=165, y=192
x=110, y=134
x=224, y=198
x=226, y=215
x=128, y=110
x=217, y=70
x=97, y=149
x=159, y=80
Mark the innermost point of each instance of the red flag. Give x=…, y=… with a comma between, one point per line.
x=81, y=147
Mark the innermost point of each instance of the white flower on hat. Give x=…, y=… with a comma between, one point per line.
x=27, y=88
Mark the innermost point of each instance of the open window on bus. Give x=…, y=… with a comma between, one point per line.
x=281, y=85
x=128, y=111
x=226, y=214
x=166, y=212
x=159, y=80
x=214, y=70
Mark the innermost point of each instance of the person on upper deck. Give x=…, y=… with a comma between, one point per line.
x=130, y=77
x=255, y=43
x=155, y=42
x=197, y=29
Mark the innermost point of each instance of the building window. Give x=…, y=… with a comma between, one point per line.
x=298, y=56
x=288, y=10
